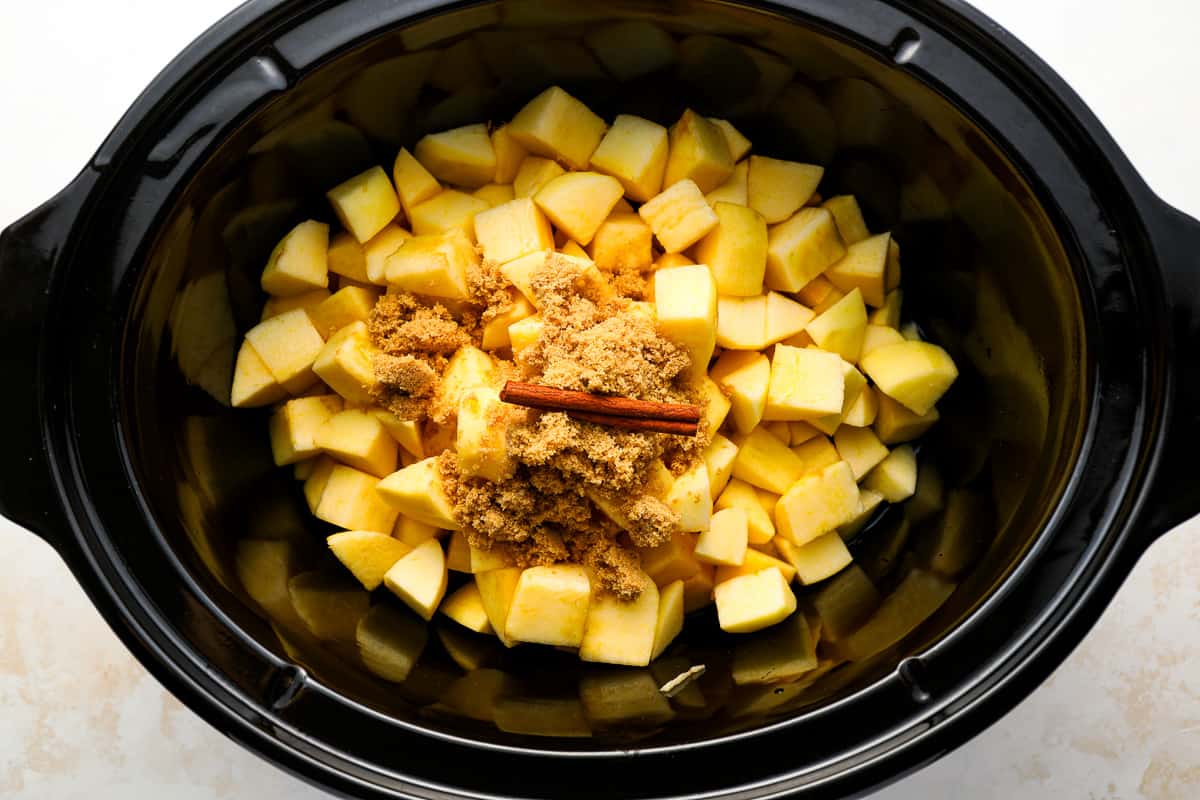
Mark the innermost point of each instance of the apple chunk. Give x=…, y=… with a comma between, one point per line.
x=634, y=151
x=805, y=384
x=685, y=302
x=550, y=605
x=300, y=262
x=915, y=374
x=801, y=248
x=698, y=152
x=745, y=376
x=512, y=230
x=679, y=216
x=578, y=202
x=366, y=203
x=417, y=491
x=367, y=554
x=621, y=631
x=777, y=189
x=863, y=268
x=752, y=602
x=556, y=125
x=462, y=156
x=842, y=327
x=736, y=250
x=817, y=504
x=419, y=578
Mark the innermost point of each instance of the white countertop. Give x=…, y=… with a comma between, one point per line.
x=79, y=718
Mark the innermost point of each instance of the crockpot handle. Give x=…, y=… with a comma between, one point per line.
x=29, y=252
x=1174, y=494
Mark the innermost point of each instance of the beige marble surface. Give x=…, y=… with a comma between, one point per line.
x=79, y=718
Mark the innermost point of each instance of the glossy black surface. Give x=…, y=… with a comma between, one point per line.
x=1061, y=285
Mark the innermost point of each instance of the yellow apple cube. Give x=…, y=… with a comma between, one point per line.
x=848, y=217
x=756, y=561
x=413, y=532
x=512, y=230
x=406, y=432
x=634, y=151
x=726, y=538
x=458, y=552
x=307, y=301
x=669, y=618
x=817, y=504
x=345, y=257
x=419, y=578
x=805, y=384
x=435, y=265
x=742, y=322
x=288, y=345
x=785, y=318
x=679, y=216
x=863, y=268
x=488, y=560
x=367, y=554
x=735, y=190
x=556, y=125
x=877, y=336
x=691, y=498
x=745, y=376
x=736, y=250
x=496, y=194
x=294, y=425
x=446, y=211
x=750, y=603
x=347, y=499
x=417, y=491
x=377, y=251
x=550, y=605
x=509, y=155
x=495, y=334
x=777, y=189
x=801, y=248
x=889, y=313
x=870, y=502
x=821, y=558
x=842, y=328
x=738, y=144
x=318, y=477
x=670, y=561
x=742, y=496
x=525, y=333
x=895, y=479
x=344, y=363
x=496, y=591
x=358, y=438
x=860, y=448
x=895, y=424
x=622, y=631
x=577, y=202
x=698, y=152
x=863, y=410
x=915, y=374
x=366, y=203
x=300, y=262
x=520, y=271
x=414, y=184
x=622, y=244
x=469, y=368
x=534, y=173
x=718, y=460
x=343, y=307
x=481, y=435
x=685, y=302
x=462, y=156
x=766, y=462
x=715, y=406
x=572, y=248
x=816, y=454
x=465, y=607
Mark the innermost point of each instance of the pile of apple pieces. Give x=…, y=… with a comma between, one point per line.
x=820, y=392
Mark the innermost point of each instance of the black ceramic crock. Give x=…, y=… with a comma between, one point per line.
x=1031, y=248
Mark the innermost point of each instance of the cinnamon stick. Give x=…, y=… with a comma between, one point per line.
x=638, y=423
x=549, y=398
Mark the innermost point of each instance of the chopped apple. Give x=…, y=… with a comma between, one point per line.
x=344, y=363
x=495, y=334
x=573, y=248
x=895, y=479
x=417, y=491
x=735, y=190
x=358, y=438
x=622, y=243
x=669, y=617
x=697, y=590
x=300, y=262
x=766, y=462
x=414, y=184
x=818, y=291
x=670, y=561
x=816, y=454
x=347, y=499
x=578, y=202
x=367, y=554
x=736, y=250
x=462, y=156
x=496, y=591
x=877, y=336
x=345, y=257
x=458, y=553
x=785, y=318
x=841, y=328
x=622, y=631
x=465, y=607
x=915, y=374
x=691, y=498
x=496, y=194
x=318, y=477
x=294, y=425
x=863, y=410
x=288, y=345
x=801, y=248
x=419, y=578
x=849, y=218
x=534, y=173
x=550, y=605
x=718, y=460
x=698, y=152
x=406, y=432
x=413, y=532
x=777, y=189
x=738, y=144
x=746, y=377
x=741, y=495
x=343, y=307
x=817, y=504
x=679, y=216
x=469, y=368
x=366, y=203
x=447, y=211
x=715, y=406
x=860, y=448
x=870, y=501
x=307, y=301
x=749, y=603
x=434, y=265
x=742, y=322
x=863, y=268
x=524, y=333
x=818, y=560
x=481, y=435
x=520, y=271
x=556, y=125
x=509, y=155
x=804, y=384
x=512, y=230
x=634, y=151
x=376, y=252
x=726, y=538
x=329, y=606
x=685, y=302
x=889, y=313
x=488, y=560
x=756, y=561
